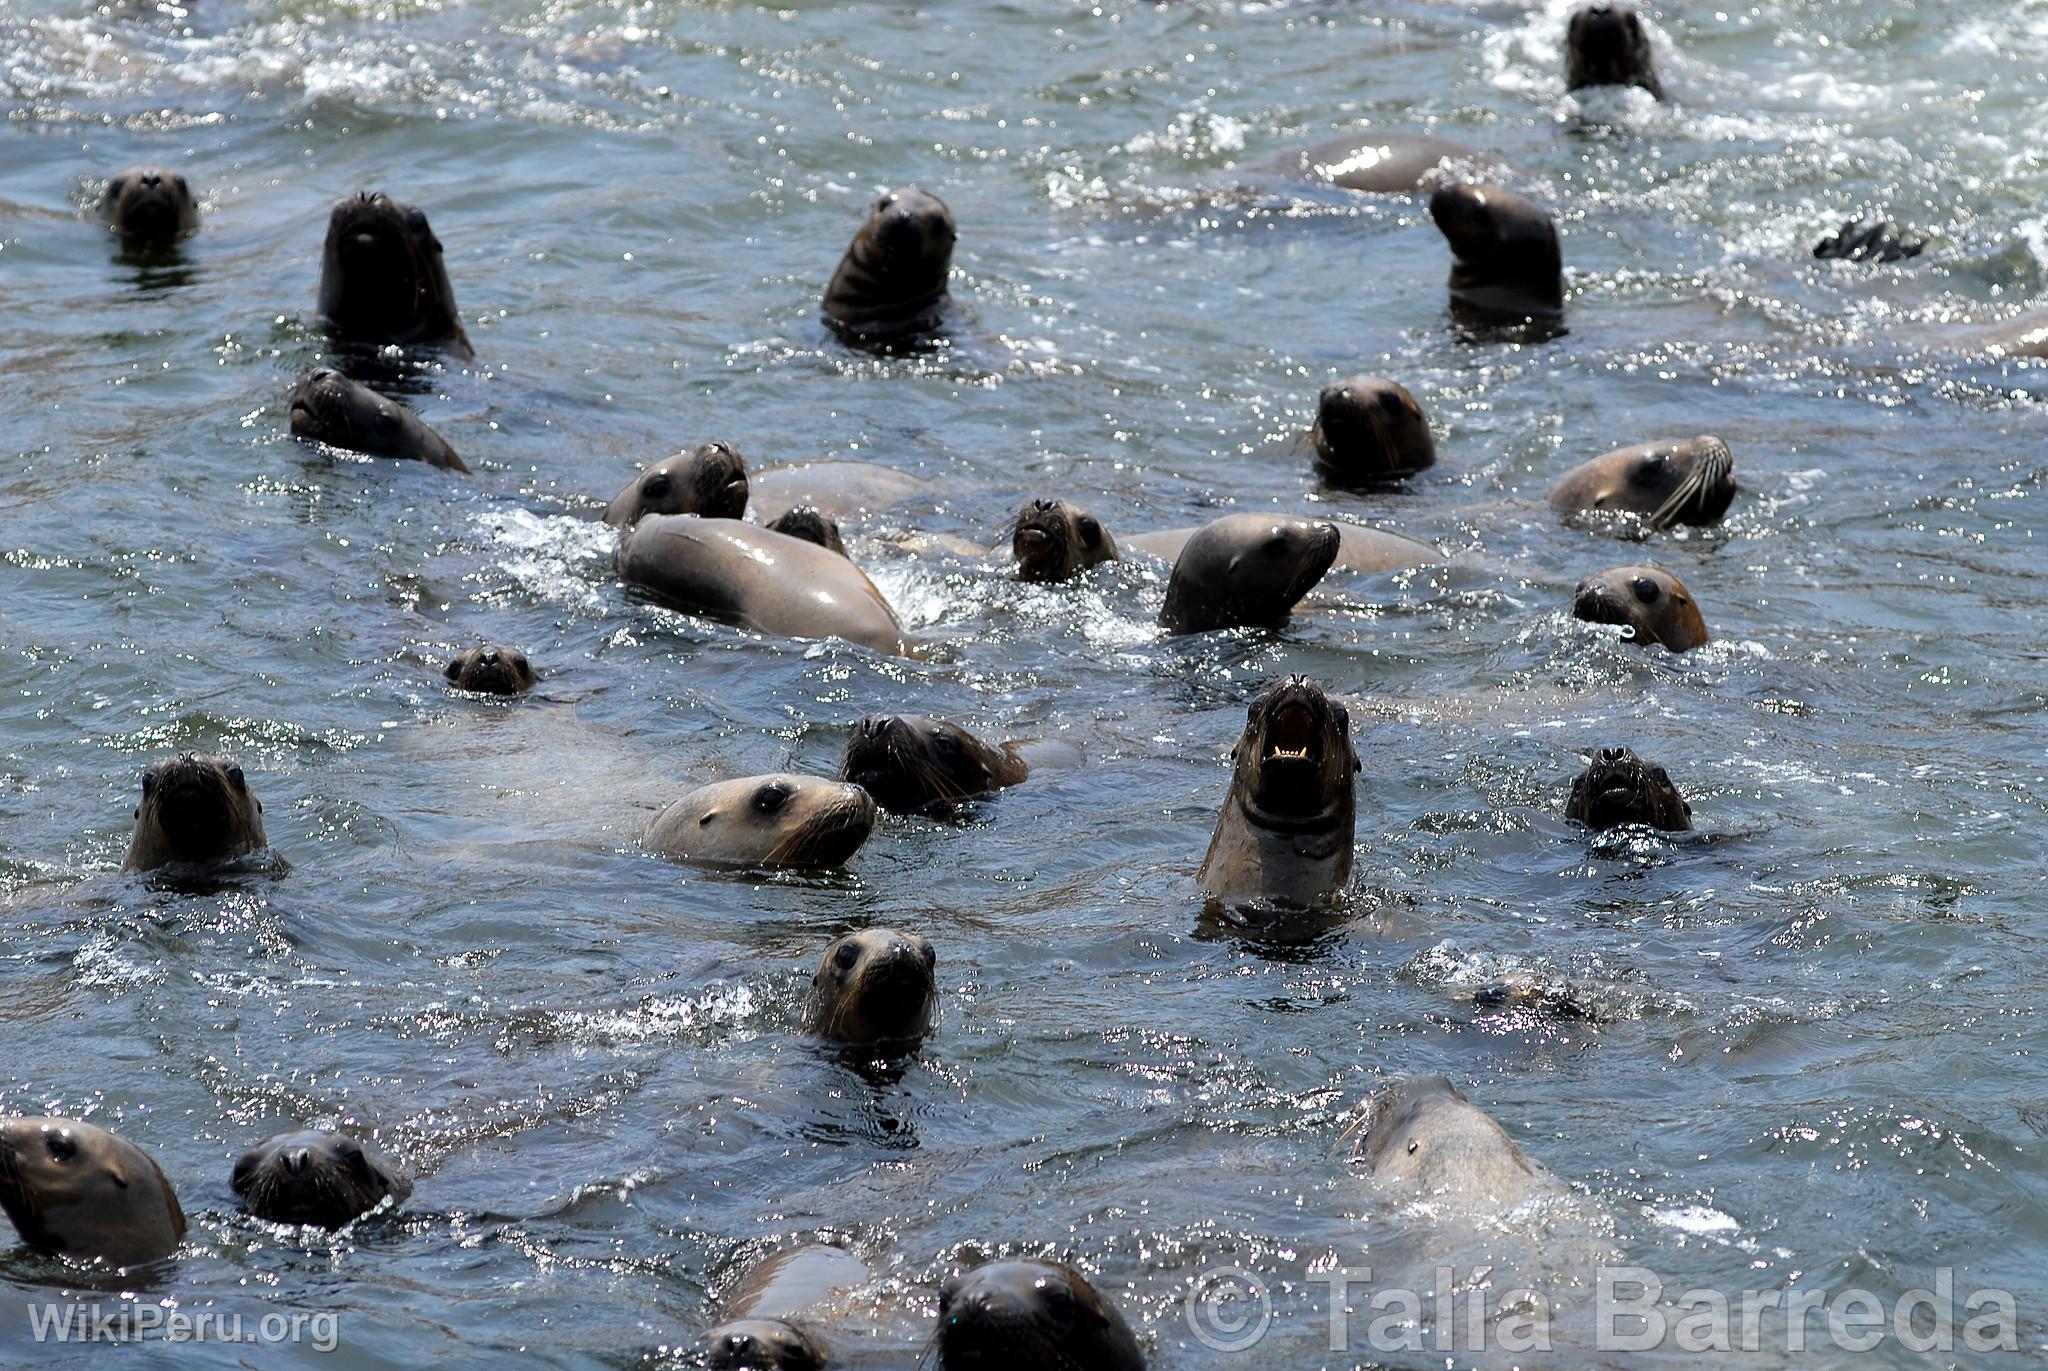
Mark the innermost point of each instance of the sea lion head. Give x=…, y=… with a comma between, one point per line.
x=315, y=1177
x=149, y=205
x=491, y=669
x=1608, y=45
x=328, y=407
x=873, y=986
x=1505, y=261
x=1653, y=605
x=77, y=1189
x=1031, y=1316
x=195, y=808
x=1369, y=430
x=1054, y=541
x=382, y=279
x=1619, y=788
x=811, y=524
x=1666, y=483
x=1247, y=569
x=911, y=763
x=758, y=1345
x=709, y=481
x=1294, y=762
x=893, y=278
x=775, y=820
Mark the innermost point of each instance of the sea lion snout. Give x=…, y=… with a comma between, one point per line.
x=1607, y=44
x=1618, y=787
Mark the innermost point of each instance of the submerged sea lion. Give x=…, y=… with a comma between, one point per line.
x=81, y=1191
x=709, y=480
x=777, y=820
x=911, y=763
x=871, y=987
x=1692, y=482
x=812, y=525
x=382, y=280
x=840, y=489
x=1653, y=605
x=1290, y=819
x=1608, y=45
x=774, y=1319
x=1368, y=551
x=491, y=669
x=1246, y=569
x=768, y=581
x=890, y=287
x=195, y=809
x=315, y=1177
x=1426, y=1135
x=149, y=205
x=1619, y=788
x=1054, y=541
x=1368, y=431
x=1877, y=243
x=329, y=408
x=1031, y=1316
x=1374, y=161
x=1506, y=266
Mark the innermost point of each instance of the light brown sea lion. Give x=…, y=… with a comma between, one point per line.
x=890, y=288
x=1506, y=266
x=777, y=1317
x=1031, y=1316
x=767, y=581
x=1246, y=569
x=1375, y=161
x=811, y=524
x=1653, y=605
x=1055, y=541
x=1608, y=45
x=873, y=987
x=1289, y=821
x=710, y=480
x=1368, y=551
x=776, y=820
x=149, y=205
x=329, y=408
x=81, y=1191
x=840, y=489
x=1369, y=431
x=1618, y=788
x=492, y=669
x=1427, y=1137
x=912, y=764
x=196, y=809
x=316, y=1177
x=382, y=280
x=1692, y=482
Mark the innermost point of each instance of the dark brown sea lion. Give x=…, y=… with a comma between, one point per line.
x=1877, y=243
x=811, y=524
x=382, y=280
x=1608, y=45
x=709, y=480
x=779, y=1315
x=492, y=669
x=1506, y=266
x=329, y=408
x=1426, y=1136
x=78, y=1190
x=1369, y=431
x=1031, y=1316
x=1247, y=569
x=911, y=763
x=1653, y=605
x=1288, y=824
x=758, y=1345
x=1619, y=788
x=1054, y=541
x=316, y=1177
x=1692, y=482
x=149, y=205
x=777, y=820
x=1375, y=161
x=196, y=809
x=766, y=580
x=872, y=987
x=891, y=284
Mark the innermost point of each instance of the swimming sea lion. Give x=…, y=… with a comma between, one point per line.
x=1290, y=819
x=149, y=205
x=758, y=1345
x=1653, y=605
x=316, y=1177
x=1506, y=265
x=891, y=284
x=772, y=1317
x=1426, y=1135
x=1692, y=482
x=195, y=809
x=1368, y=551
x=329, y=408
x=910, y=763
x=491, y=669
x=1246, y=569
x=709, y=480
x=777, y=820
x=79, y=1190
x=1031, y=1316
x=1619, y=788
x=382, y=279
x=1368, y=431
x=1054, y=541
x=766, y=580
x=812, y=525
x=1855, y=243
x=1607, y=45
x=840, y=489
x=1375, y=161
x=873, y=986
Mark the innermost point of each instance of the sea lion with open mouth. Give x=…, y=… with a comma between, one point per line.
x=1618, y=788
x=1653, y=605
x=382, y=278
x=1692, y=482
x=1055, y=541
x=83, y=1192
x=316, y=1177
x=196, y=810
x=911, y=763
x=1289, y=821
x=710, y=480
x=873, y=987
x=777, y=820
x=328, y=407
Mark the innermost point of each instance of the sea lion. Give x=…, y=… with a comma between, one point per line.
x=758, y=1345
x=1369, y=551
x=382, y=280
x=911, y=764
x=195, y=809
x=1654, y=606
x=1506, y=266
x=1425, y=1135
x=149, y=205
x=1369, y=431
x=1031, y=1316
x=1608, y=45
x=316, y=1177
x=710, y=480
x=77, y=1189
x=1246, y=569
x=1055, y=541
x=1374, y=161
x=1619, y=788
x=1877, y=243
x=492, y=669
x=772, y=1318
x=1289, y=821
x=840, y=489
x=874, y=986
x=768, y=581
x=890, y=287
x=811, y=524
x=777, y=820
x=329, y=408
x=1692, y=482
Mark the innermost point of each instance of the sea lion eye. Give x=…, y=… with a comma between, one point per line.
x=236, y=779
x=657, y=485
x=416, y=220
x=148, y=783
x=929, y=953
x=453, y=670
x=117, y=185
x=1091, y=531
x=62, y=1148
x=770, y=798
x=1647, y=590
x=707, y=818
x=846, y=957
x=1413, y=1147
x=1659, y=776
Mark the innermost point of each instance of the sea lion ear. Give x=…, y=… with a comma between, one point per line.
x=453, y=669
x=114, y=1175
